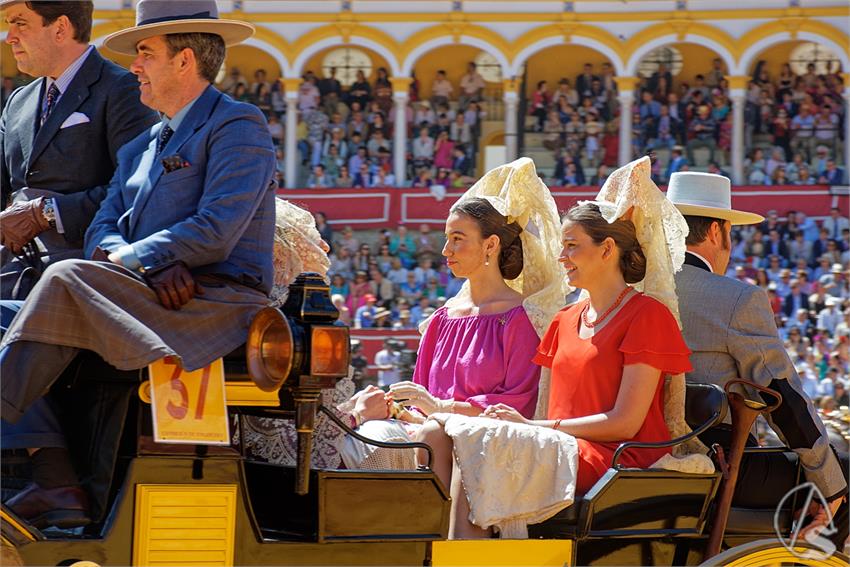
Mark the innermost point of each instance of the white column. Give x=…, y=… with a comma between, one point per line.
x=846, y=166
x=291, y=147
x=739, y=99
x=511, y=100
x=626, y=98
x=400, y=138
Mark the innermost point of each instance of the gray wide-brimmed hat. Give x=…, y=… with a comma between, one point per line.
x=161, y=17
x=706, y=195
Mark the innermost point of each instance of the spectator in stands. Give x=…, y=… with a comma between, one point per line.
x=404, y=246
x=825, y=128
x=423, y=149
x=585, y=81
x=714, y=167
x=601, y=176
x=364, y=317
x=319, y=179
x=383, y=179
x=441, y=89
x=802, y=131
x=471, y=86
x=778, y=177
x=703, y=129
x=677, y=162
x=460, y=161
x=539, y=104
x=460, y=131
x=360, y=92
x=424, y=115
x=443, y=150
x=833, y=175
x=565, y=93
x=423, y=178
x=835, y=224
x=717, y=74
x=363, y=177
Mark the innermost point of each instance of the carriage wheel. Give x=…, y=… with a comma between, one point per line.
x=768, y=552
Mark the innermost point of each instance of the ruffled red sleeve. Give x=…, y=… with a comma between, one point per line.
x=549, y=343
x=654, y=338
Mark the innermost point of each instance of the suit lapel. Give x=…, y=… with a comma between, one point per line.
x=72, y=98
x=151, y=164
x=27, y=120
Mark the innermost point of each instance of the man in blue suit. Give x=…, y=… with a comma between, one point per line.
x=180, y=249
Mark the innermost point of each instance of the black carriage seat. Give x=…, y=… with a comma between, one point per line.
x=635, y=502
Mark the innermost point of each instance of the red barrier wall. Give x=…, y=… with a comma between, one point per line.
x=387, y=207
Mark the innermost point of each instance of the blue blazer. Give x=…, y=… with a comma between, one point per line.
x=216, y=213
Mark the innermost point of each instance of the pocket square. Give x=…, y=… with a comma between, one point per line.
x=173, y=163
x=74, y=119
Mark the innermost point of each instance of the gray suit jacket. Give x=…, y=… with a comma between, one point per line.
x=729, y=327
x=75, y=162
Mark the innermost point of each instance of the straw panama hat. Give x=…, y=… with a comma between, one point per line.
x=706, y=195
x=161, y=17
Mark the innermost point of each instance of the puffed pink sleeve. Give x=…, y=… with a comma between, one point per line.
x=521, y=376
x=427, y=347
x=654, y=338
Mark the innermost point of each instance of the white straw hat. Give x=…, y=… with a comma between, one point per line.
x=706, y=195
x=161, y=17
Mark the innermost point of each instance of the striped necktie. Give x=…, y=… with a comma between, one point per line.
x=50, y=102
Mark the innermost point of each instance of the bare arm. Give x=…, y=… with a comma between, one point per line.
x=621, y=422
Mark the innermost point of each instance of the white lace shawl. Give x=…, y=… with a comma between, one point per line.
x=517, y=192
x=661, y=230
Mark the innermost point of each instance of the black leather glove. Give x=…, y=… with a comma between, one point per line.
x=21, y=222
x=173, y=284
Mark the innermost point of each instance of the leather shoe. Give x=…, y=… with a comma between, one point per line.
x=63, y=507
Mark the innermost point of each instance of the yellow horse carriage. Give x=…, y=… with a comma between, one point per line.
x=201, y=501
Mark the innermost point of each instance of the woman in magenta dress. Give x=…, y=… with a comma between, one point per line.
x=476, y=351
x=608, y=353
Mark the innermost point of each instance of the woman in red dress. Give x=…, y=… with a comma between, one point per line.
x=608, y=354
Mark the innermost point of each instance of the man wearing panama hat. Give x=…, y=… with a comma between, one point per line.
x=730, y=329
x=180, y=251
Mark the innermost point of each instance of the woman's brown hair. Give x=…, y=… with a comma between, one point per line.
x=622, y=232
x=491, y=222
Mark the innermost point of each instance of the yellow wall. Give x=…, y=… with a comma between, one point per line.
x=315, y=63
x=452, y=59
x=249, y=59
x=775, y=55
x=560, y=61
x=7, y=61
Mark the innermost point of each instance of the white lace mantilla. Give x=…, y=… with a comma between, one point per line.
x=517, y=192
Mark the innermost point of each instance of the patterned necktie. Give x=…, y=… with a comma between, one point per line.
x=164, y=136
x=52, y=95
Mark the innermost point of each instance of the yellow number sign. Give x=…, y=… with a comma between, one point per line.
x=188, y=407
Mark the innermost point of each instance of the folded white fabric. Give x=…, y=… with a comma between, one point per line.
x=513, y=474
x=74, y=119
x=694, y=463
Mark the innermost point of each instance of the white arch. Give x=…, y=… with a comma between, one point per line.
x=758, y=48
x=419, y=51
x=525, y=54
x=640, y=52
x=297, y=66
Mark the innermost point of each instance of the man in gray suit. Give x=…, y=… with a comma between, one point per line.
x=180, y=249
x=59, y=137
x=729, y=327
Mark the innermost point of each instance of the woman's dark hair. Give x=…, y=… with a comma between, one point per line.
x=491, y=222
x=632, y=259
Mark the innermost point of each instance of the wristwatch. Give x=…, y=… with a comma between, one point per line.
x=48, y=211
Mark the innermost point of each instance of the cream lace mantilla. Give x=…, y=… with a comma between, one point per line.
x=516, y=191
x=661, y=230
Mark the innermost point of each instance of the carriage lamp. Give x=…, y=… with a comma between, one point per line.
x=300, y=350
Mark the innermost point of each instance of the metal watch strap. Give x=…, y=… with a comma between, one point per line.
x=48, y=211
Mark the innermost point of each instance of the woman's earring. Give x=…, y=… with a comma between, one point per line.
x=487, y=260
